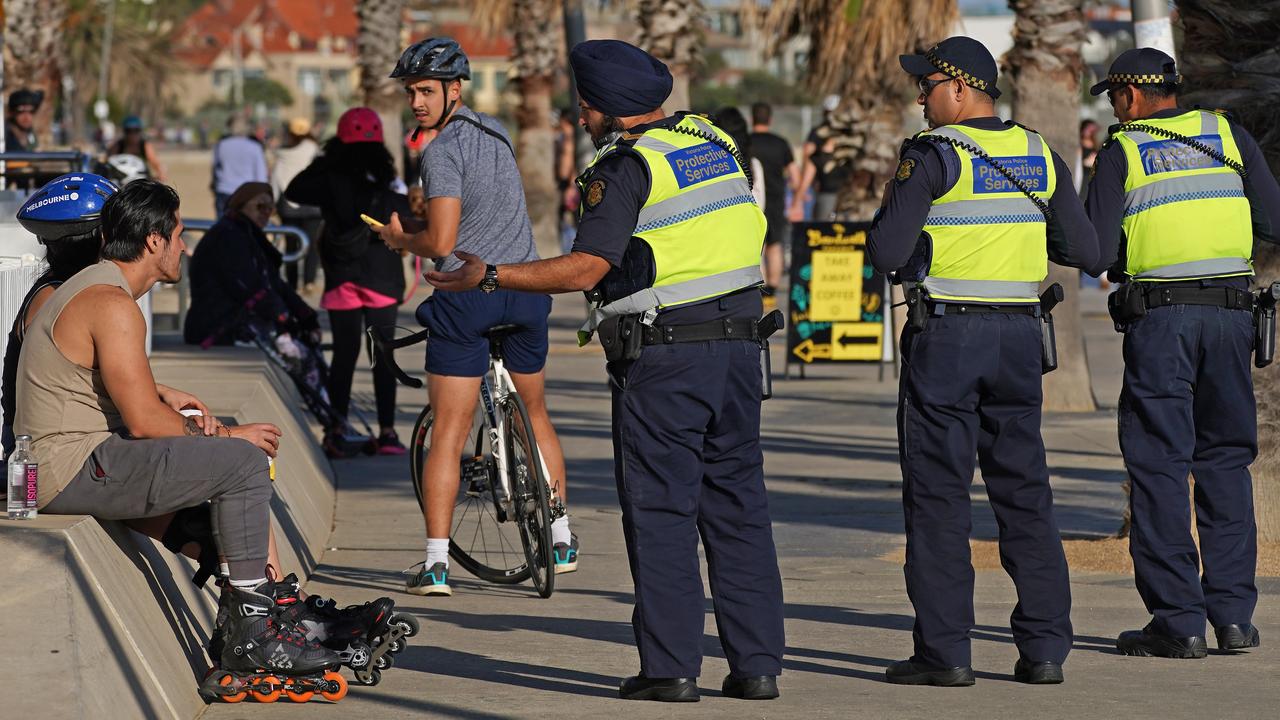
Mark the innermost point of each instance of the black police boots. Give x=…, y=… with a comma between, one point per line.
x=909, y=672
x=639, y=687
x=1149, y=643
x=760, y=687
x=1037, y=673
x=1237, y=637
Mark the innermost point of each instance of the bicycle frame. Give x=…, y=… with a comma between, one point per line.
x=491, y=395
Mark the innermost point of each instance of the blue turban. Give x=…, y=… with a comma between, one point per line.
x=618, y=78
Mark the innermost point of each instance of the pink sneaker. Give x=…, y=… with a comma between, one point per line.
x=389, y=444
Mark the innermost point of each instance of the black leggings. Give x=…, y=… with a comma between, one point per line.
x=348, y=335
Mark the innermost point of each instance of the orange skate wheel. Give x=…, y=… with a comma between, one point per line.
x=334, y=677
x=226, y=680
x=300, y=696
x=271, y=696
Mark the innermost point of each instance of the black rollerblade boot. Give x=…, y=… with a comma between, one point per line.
x=264, y=655
x=367, y=637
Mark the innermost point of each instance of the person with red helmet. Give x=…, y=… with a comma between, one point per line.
x=363, y=280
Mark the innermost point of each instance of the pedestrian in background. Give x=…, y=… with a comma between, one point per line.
x=779, y=173
x=297, y=152
x=363, y=280
x=237, y=159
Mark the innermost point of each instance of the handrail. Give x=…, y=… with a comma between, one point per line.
x=282, y=230
x=202, y=225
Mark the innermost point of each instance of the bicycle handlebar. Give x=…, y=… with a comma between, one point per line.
x=384, y=351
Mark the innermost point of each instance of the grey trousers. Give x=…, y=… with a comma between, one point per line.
x=126, y=479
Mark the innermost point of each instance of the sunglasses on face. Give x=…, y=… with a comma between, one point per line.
x=927, y=85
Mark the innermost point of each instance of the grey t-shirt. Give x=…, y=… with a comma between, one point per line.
x=467, y=163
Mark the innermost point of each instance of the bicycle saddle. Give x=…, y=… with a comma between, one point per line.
x=498, y=332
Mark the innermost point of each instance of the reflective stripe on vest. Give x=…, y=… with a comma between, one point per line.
x=989, y=242
x=1186, y=216
x=699, y=220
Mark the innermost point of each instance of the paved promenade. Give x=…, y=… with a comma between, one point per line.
x=500, y=652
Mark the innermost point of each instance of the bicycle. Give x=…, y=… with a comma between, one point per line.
x=503, y=478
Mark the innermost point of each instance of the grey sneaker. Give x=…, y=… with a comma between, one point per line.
x=565, y=555
x=430, y=581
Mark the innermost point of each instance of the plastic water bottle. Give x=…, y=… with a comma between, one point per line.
x=23, y=481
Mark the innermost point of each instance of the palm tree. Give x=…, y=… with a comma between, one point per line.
x=378, y=47
x=535, y=58
x=854, y=52
x=671, y=30
x=1045, y=67
x=33, y=36
x=1229, y=61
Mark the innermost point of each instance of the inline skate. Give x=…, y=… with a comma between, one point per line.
x=263, y=655
x=366, y=637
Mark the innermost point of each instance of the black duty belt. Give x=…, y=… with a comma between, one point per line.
x=937, y=308
x=727, y=329
x=1216, y=296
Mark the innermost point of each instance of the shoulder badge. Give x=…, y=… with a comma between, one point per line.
x=905, y=168
x=595, y=193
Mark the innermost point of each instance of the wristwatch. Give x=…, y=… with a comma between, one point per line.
x=490, y=281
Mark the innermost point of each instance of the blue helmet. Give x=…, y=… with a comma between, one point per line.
x=66, y=206
x=132, y=122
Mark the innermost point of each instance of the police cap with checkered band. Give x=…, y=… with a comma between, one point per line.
x=959, y=57
x=1139, y=66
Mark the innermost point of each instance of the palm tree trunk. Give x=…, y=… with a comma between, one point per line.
x=378, y=46
x=1229, y=61
x=34, y=40
x=535, y=55
x=671, y=30
x=1045, y=67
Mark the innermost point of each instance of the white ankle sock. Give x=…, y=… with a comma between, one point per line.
x=247, y=584
x=437, y=551
x=560, y=530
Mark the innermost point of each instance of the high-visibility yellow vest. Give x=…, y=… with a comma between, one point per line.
x=700, y=220
x=989, y=239
x=1185, y=213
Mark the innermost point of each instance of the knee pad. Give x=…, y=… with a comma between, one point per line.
x=194, y=525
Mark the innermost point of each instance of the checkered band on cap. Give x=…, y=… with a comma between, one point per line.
x=955, y=72
x=1130, y=79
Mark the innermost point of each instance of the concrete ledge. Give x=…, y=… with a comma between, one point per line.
x=110, y=618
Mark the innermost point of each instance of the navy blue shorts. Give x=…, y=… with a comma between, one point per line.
x=458, y=321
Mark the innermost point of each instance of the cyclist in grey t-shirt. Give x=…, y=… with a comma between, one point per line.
x=475, y=207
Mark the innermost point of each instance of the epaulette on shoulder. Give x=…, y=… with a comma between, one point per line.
x=1223, y=112
x=1015, y=123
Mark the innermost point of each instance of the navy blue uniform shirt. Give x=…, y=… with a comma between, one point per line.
x=1106, y=196
x=605, y=230
x=897, y=227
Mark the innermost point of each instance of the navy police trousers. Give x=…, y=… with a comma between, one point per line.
x=971, y=386
x=686, y=436
x=1187, y=407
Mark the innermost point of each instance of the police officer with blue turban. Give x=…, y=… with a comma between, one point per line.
x=976, y=211
x=668, y=247
x=1178, y=198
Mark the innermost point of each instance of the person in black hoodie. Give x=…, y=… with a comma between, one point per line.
x=363, y=280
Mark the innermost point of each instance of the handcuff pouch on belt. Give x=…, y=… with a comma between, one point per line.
x=620, y=337
x=1126, y=305
x=918, y=312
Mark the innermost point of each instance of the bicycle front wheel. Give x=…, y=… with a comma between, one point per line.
x=480, y=541
x=532, y=494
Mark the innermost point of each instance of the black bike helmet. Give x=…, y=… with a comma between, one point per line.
x=439, y=58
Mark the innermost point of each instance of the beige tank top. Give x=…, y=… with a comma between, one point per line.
x=63, y=406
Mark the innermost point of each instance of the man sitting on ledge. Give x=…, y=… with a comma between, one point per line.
x=109, y=443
